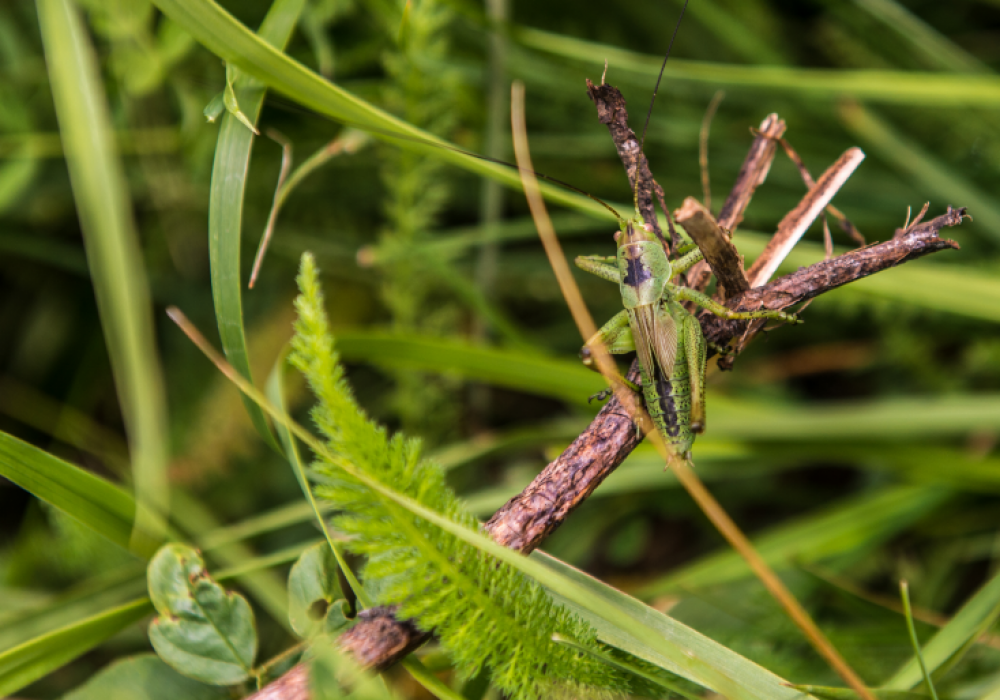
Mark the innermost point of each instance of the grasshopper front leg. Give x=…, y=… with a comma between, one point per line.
x=604, y=266
x=712, y=306
x=616, y=336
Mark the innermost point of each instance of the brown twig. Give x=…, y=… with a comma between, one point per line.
x=753, y=172
x=719, y=251
x=611, y=112
x=379, y=639
x=809, y=282
x=800, y=218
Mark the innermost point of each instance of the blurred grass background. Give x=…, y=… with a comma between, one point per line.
x=857, y=449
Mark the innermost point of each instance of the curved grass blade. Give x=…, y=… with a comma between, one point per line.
x=101, y=506
x=952, y=641
x=615, y=619
x=29, y=662
x=904, y=590
x=114, y=257
x=276, y=394
x=225, y=36
x=225, y=210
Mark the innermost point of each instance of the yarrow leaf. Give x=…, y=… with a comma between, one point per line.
x=485, y=612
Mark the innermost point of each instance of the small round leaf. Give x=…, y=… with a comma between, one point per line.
x=202, y=630
x=312, y=588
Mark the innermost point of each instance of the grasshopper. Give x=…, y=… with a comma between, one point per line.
x=666, y=337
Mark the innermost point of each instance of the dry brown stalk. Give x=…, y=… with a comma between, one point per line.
x=720, y=253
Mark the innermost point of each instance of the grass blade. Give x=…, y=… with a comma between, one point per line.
x=225, y=211
x=29, y=662
x=978, y=613
x=113, y=254
x=226, y=37
x=101, y=506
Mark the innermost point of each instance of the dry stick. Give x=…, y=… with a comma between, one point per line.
x=752, y=174
x=807, y=178
x=790, y=230
x=525, y=521
x=809, y=282
x=720, y=253
x=794, y=224
x=610, y=110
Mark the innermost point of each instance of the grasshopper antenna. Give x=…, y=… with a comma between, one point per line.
x=656, y=89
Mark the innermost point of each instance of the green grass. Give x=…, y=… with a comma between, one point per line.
x=856, y=449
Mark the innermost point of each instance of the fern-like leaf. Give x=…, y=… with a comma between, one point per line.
x=483, y=611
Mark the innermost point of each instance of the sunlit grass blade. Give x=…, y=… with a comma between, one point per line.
x=225, y=211
x=841, y=529
x=616, y=616
x=30, y=661
x=113, y=254
x=536, y=374
x=101, y=506
x=951, y=642
x=901, y=87
x=90, y=598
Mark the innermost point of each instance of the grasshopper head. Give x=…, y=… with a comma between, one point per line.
x=643, y=264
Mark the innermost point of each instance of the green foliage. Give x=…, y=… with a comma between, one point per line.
x=485, y=613
x=332, y=676
x=416, y=194
x=313, y=593
x=202, y=631
x=144, y=676
x=856, y=451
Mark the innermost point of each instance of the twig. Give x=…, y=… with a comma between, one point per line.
x=795, y=222
x=720, y=253
x=611, y=112
x=752, y=174
x=809, y=282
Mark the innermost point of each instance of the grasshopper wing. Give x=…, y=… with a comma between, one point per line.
x=655, y=334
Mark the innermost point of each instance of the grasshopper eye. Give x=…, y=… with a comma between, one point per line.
x=618, y=236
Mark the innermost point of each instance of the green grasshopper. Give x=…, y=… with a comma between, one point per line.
x=666, y=337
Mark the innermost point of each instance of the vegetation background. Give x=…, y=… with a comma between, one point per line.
x=857, y=449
